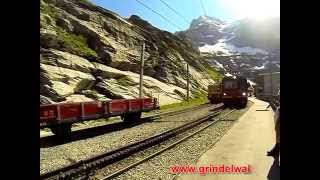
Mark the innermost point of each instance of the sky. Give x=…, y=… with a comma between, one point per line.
x=227, y=10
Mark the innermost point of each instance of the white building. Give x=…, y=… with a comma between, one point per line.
x=268, y=83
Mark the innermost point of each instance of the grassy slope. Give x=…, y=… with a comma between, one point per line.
x=201, y=97
x=184, y=104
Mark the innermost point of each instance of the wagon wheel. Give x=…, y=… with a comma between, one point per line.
x=62, y=130
x=226, y=104
x=131, y=118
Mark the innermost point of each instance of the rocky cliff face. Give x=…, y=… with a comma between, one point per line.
x=89, y=53
x=204, y=30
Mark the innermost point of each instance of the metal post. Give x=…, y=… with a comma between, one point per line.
x=271, y=86
x=141, y=72
x=188, y=82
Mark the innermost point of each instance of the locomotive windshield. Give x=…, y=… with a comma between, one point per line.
x=230, y=84
x=236, y=83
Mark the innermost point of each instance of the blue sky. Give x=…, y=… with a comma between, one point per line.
x=190, y=9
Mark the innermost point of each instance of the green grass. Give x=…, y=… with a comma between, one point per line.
x=86, y=1
x=77, y=43
x=214, y=74
x=125, y=81
x=48, y=9
x=199, y=99
x=91, y=94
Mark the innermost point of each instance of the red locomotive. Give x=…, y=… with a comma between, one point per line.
x=59, y=117
x=235, y=91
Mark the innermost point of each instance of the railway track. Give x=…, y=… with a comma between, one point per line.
x=171, y=113
x=84, y=167
x=52, y=140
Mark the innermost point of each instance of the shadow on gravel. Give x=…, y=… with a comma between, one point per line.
x=51, y=141
x=232, y=106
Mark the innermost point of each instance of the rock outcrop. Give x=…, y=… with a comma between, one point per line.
x=90, y=53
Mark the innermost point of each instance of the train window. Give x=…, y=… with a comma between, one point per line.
x=230, y=85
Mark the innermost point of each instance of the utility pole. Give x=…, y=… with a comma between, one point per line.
x=188, y=82
x=141, y=71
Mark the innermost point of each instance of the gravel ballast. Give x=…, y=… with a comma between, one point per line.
x=186, y=153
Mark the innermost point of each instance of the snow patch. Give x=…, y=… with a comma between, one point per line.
x=251, y=83
x=261, y=67
x=244, y=64
x=219, y=64
x=229, y=49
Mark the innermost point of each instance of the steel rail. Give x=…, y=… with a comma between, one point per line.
x=122, y=152
x=117, y=173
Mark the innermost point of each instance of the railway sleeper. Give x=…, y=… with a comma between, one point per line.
x=236, y=104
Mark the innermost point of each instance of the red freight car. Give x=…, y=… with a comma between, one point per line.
x=59, y=117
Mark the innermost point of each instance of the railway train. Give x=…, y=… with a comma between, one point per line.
x=60, y=116
x=231, y=91
x=214, y=93
x=235, y=91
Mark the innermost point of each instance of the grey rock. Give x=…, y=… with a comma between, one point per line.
x=45, y=100
x=90, y=52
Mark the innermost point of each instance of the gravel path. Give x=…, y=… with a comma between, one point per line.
x=62, y=155
x=188, y=152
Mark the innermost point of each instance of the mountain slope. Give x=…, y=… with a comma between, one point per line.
x=90, y=53
x=245, y=46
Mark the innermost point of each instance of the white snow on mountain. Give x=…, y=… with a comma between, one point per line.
x=261, y=67
x=216, y=64
x=251, y=83
x=212, y=27
x=219, y=64
x=210, y=20
x=244, y=64
x=228, y=74
x=232, y=45
x=229, y=49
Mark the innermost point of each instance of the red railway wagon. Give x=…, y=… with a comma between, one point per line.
x=59, y=117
